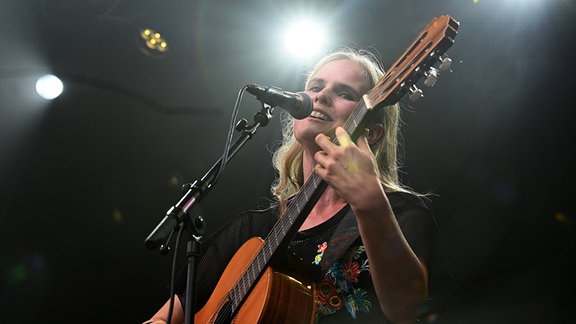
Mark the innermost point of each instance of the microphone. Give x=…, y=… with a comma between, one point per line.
x=299, y=104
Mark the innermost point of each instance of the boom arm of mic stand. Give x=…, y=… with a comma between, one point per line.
x=200, y=188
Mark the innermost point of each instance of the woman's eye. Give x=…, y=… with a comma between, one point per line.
x=314, y=89
x=347, y=96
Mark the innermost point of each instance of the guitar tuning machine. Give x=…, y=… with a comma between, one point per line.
x=431, y=77
x=432, y=73
x=415, y=93
x=445, y=64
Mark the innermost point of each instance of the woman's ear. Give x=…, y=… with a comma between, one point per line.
x=374, y=133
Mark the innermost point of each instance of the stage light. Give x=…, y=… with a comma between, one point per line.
x=49, y=87
x=153, y=43
x=305, y=39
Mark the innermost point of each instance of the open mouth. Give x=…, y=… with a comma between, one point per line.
x=319, y=115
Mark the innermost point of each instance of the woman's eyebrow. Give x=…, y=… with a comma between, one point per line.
x=316, y=80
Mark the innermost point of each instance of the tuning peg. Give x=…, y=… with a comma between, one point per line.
x=445, y=64
x=431, y=77
x=415, y=93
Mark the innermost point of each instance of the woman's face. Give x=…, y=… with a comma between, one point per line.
x=335, y=90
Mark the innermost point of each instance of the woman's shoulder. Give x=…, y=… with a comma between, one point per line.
x=270, y=211
x=260, y=219
x=399, y=199
x=244, y=225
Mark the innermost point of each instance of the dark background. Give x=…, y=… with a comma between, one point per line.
x=85, y=178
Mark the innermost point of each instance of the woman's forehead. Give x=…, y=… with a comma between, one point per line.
x=344, y=71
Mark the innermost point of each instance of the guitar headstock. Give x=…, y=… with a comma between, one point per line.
x=417, y=61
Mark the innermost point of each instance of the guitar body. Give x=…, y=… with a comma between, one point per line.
x=275, y=297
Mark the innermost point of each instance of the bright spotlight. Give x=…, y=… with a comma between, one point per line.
x=305, y=39
x=49, y=87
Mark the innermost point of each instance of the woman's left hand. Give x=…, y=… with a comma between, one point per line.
x=349, y=168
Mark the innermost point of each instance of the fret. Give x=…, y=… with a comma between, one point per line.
x=233, y=295
x=239, y=293
x=275, y=237
x=258, y=265
x=253, y=275
x=314, y=178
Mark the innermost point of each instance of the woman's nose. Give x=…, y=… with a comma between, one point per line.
x=322, y=97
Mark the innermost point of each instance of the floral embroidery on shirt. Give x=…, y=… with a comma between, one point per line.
x=337, y=288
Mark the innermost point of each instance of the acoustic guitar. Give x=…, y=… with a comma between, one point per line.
x=250, y=290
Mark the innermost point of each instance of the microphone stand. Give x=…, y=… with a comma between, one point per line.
x=188, y=206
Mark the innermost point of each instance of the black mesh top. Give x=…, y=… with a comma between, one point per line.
x=345, y=292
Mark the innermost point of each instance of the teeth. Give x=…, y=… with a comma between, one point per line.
x=319, y=115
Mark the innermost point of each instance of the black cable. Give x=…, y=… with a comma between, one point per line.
x=231, y=129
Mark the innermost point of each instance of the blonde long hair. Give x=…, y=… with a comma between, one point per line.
x=287, y=159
